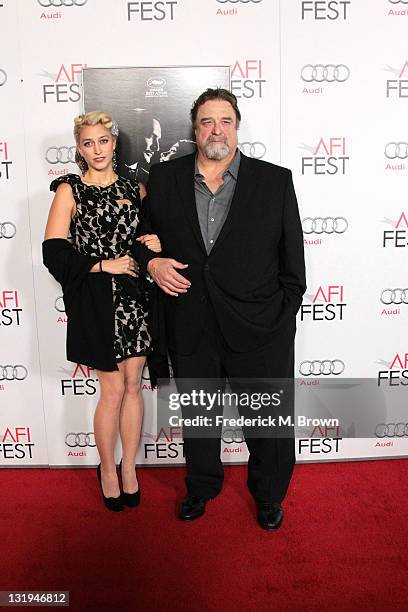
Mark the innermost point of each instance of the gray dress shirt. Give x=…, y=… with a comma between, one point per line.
x=213, y=208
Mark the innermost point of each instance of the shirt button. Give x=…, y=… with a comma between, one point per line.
x=212, y=219
x=211, y=241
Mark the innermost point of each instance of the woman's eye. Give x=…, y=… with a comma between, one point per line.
x=104, y=141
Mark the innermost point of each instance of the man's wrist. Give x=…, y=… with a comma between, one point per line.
x=151, y=263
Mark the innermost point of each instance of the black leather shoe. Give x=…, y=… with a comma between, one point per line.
x=192, y=507
x=129, y=499
x=269, y=515
x=115, y=504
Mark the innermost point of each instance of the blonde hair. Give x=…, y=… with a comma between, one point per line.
x=94, y=118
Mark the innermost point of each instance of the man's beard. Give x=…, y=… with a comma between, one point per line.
x=216, y=149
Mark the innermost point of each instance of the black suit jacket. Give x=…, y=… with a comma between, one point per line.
x=254, y=275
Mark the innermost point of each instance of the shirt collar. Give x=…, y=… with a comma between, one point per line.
x=232, y=168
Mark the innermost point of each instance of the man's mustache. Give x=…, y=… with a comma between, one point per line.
x=211, y=139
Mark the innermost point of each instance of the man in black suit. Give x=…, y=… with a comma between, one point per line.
x=232, y=279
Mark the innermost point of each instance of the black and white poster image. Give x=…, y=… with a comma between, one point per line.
x=151, y=107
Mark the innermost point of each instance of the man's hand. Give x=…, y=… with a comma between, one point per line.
x=164, y=272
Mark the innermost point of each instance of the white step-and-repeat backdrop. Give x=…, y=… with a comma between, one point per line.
x=323, y=90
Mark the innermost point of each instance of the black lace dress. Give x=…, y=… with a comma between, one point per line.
x=104, y=226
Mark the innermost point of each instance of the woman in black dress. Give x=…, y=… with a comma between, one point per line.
x=88, y=249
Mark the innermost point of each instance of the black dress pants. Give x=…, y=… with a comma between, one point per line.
x=271, y=459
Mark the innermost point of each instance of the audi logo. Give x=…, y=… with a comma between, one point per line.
x=3, y=76
x=391, y=430
x=80, y=439
x=324, y=367
x=59, y=304
x=394, y=150
x=13, y=372
x=395, y=296
x=231, y=436
x=60, y=155
x=56, y=3
x=398, y=1
x=253, y=149
x=324, y=225
x=7, y=230
x=329, y=73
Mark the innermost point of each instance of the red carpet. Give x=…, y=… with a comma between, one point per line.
x=342, y=546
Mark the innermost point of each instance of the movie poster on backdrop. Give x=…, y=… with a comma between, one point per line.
x=152, y=108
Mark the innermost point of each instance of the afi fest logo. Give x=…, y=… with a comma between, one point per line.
x=396, y=372
x=247, y=78
x=231, y=7
x=330, y=157
x=398, y=236
x=327, y=304
x=81, y=382
x=151, y=11
x=322, y=440
x=10, y=310
x=16, y=443
x=397, y=87
x=166, y=445
x=65, y=85
x=320, y=10
x=5, y=162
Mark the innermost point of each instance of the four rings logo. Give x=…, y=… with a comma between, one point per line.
x=398, y=1
x=59, y=304
x=324, y=225
x=394, y=296
x=58, y=3
x=80, y=439
x=231, y=436
x=391, y=430
x=3, y=76
x=7, y=230
x=256, y=150
x=324, y=367
x=13, y=372
x=394, y=150
x=60, y=155
x=328, y=73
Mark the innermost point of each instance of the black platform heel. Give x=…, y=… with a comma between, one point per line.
x=115, y=504
x=129, y=499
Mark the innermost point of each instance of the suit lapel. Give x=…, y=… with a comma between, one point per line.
x=185, y=183
x=239, y=210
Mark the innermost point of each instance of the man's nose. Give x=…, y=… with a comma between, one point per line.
x=216, y=128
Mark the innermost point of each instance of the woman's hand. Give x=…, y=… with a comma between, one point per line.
x=121, y=265
x=151, y=241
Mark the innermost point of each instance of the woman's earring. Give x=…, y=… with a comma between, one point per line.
x=114, y=162
x=80, y=162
